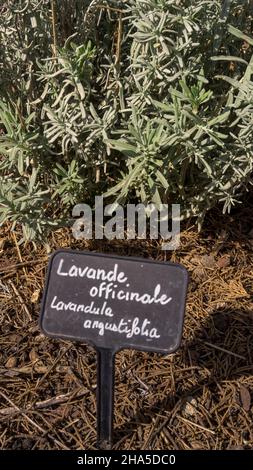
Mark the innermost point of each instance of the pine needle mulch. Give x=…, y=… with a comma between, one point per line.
x=198, y=398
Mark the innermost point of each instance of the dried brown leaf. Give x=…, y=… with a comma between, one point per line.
x=223, y=261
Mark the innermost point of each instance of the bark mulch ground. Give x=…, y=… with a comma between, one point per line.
x=198, y=398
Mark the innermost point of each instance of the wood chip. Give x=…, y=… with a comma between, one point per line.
x=35, y=296
x=245, y=398
x=11, y=362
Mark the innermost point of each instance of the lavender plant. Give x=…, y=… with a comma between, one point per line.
x=148, y=100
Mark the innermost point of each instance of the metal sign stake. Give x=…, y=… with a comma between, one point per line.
x=105, y=397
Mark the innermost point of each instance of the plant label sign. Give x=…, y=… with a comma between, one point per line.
x=112, y=303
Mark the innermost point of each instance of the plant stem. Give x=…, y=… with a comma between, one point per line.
x=54, y=27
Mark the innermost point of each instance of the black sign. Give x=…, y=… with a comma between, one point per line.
x=114, y=302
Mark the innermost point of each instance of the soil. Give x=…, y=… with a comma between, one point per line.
x=198, y=398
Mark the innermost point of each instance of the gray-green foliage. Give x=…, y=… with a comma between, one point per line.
x=148, y=100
